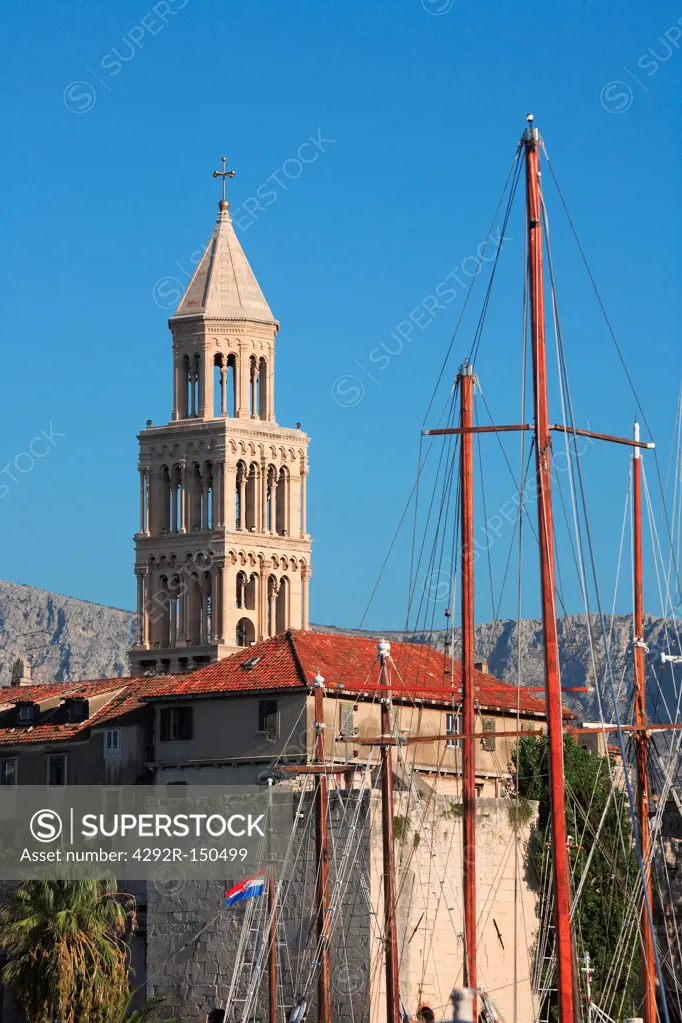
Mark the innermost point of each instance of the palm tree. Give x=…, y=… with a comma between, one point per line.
x=68, y=960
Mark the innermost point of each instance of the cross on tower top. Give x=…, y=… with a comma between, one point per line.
x=224, y=174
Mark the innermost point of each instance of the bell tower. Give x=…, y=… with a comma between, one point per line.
x=222, y=556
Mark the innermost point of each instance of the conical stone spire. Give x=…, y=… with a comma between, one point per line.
x=224, y=286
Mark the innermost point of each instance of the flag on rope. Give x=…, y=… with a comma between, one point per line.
x=247, y=889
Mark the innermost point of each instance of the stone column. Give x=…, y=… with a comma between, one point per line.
x=243, y=384
x=182, y=611
x=253, y=377
x=148, y=492
x=224, y=601
x=140, y=606
x=176, y=387
x=227, y=495
x=172, y=632
x=272, y=609
x=263, y=502
x=305, y=576
x=174, y=503
x=147, y=606
x=203, y=513
x=304, y=524
x=223, y=388
x=215, y=611
x=184, y=502
x=271, y=387
x=261, y=613
x=218, y=477
x=143, y=490
x=205, y=385
x=242, y=498
x=193, y=387
x=294, y=506
x=273, y=506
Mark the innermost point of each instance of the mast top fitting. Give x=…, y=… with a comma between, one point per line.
x=531, y=134
x=384, y=649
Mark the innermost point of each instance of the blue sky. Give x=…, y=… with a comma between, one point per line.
x=115, y=115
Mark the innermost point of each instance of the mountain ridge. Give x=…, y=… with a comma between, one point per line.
x=69, y=639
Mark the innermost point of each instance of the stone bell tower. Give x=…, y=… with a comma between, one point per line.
x=222, y=556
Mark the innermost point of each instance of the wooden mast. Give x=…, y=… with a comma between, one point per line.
x=272, y=959
x=641, y=744
x=560, y=861
x=390, y=926
x=324, y=1004
x=466, y=403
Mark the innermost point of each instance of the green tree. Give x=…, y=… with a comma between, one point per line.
x=68, y=959
x=604, y=911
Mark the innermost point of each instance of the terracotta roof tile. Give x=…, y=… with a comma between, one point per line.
x=129, y=693
x=290, y=661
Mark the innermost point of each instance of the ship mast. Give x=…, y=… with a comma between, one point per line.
x=324, y=1005
x=641, y=746
x=390, y=926
x=466, y=403
x=272, y=954
x=560, y=861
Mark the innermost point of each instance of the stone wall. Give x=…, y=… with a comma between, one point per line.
x=430, y=937
x=197, y=980
x=429, y=868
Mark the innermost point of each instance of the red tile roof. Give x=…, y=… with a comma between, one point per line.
x=127, y=694
x=292, y=659
x=288, y=661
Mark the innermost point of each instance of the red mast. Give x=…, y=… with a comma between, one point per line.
x=466, y=404
x=641, y=744
x=560, y=862
x=324, y=1003
x=390, y=926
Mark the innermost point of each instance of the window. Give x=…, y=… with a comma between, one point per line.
x=268, y=717
x=112, y=742
x=56, y=769
x=176, y=724
x=8, y=771
x=489, y=744
x=452, y=728
x=347, y=719
x=28, y=713
x=77, y=710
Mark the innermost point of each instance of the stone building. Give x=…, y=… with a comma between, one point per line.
x=222, y=552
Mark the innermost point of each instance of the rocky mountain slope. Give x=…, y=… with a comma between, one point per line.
x=68, y=639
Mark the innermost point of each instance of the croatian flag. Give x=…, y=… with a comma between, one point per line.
x=247, y=889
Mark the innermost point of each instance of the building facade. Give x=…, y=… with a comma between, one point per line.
x=222, y=555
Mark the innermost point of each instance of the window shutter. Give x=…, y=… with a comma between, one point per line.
x=489, y=743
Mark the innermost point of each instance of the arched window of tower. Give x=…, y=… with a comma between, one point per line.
x=240, y=495
x=245, y=632
x=252, y=497
x=251, y=593
x=282, y=509
x=253, y=387
x=262, y=388
x=241, y=590
x=282, y=605
x=273, y=591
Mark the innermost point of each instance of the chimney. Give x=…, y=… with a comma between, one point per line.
x=21, y=673
x=481, y=666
